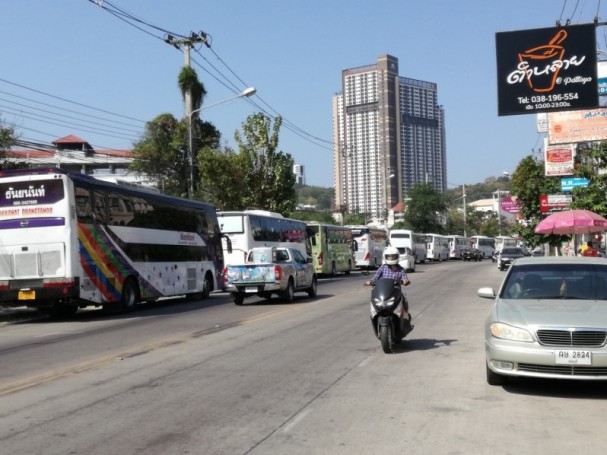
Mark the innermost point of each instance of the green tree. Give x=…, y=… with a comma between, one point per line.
x=162, y=153
x=8, y=139
x=425, y=208
x=528, y=183
x=589, y=163
x=313, y=215
x=223, y=173
x=269, y=182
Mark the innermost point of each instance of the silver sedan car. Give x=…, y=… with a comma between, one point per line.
x=548, y=320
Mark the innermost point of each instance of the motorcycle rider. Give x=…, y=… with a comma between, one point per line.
x=392, y=269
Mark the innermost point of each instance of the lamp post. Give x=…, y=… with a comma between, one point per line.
x=499, y=207
x=250, y=91
x=463, y=196
x=386, y=178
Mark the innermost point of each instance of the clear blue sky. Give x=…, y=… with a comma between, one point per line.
x=292, y=52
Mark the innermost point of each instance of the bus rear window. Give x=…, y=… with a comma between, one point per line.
x=32, y=192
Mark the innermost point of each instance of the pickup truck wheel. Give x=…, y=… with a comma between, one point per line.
x=238, y=299
x=313, y=289
x=289, y=294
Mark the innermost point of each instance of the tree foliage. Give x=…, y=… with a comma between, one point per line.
x=590, y=163
x=528, y=183
x=425, y=209
x=188, y=82
x=162, y=155
x=269, y=181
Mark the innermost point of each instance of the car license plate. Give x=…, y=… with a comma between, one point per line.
x=26, y=295
x=571, y=357
x=250, y=289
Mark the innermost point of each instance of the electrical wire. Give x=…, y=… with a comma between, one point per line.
x=222, y=79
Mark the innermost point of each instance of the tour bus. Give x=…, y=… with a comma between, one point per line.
x=370, y=243
x=457, y=245
x=71, y=241
x=438, y=247
x=246, y=229
x=503, y=241
x=485, y=244
x=402, y=238
x=332, y=248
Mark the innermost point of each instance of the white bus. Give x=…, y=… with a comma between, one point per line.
x=503, y=241
x=248, y=229
x=401, y=238
x=437, y=247
x=457, y=245
x=71, y=241
x=485, y=244
x=370, y=243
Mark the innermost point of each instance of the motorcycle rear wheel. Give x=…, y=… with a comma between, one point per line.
x=387, y=339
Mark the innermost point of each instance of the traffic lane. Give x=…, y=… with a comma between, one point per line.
x=310, y=380
x=431, y=396
x=220, y=393
x=48, y=348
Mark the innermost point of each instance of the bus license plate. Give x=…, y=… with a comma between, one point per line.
x=571, y=357
x=26, y=295
x=250, y=289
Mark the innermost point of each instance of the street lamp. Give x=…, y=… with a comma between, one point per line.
x=250, y=91
x=499, y=207
x=463, y=196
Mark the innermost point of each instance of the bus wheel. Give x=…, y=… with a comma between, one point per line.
x=349, y=268
x=207, y=287
x=130, y=295
x=333, y=269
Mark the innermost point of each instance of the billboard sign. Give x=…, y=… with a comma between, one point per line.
x=602, y=80
x=577, y=126
x=510, y=205
x=547, y=69
x=558, y=160
x=554, y=202
x=569, y=184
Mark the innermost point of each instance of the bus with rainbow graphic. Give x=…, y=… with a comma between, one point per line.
x=70, y=241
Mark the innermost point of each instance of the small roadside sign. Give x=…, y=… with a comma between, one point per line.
x=568, y=184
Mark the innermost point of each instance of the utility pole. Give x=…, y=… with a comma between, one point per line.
x=464, y=198
x=187, y=44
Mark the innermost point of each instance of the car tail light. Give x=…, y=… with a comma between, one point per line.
x=277, y=272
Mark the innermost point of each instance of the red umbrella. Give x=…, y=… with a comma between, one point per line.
x=569, y=222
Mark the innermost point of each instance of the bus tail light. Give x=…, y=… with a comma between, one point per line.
x=321, y=259
x=277, y=272
x=225, y=275
x=368, y=256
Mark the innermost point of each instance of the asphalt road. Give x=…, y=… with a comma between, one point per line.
x=271, y=378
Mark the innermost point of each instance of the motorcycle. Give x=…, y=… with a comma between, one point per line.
x=387, y=307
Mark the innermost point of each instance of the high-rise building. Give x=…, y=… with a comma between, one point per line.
x=389, y=135
x=300, y=177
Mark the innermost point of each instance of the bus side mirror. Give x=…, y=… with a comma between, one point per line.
x=228, y=243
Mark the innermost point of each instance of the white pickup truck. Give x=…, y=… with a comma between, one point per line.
x=269, y=271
